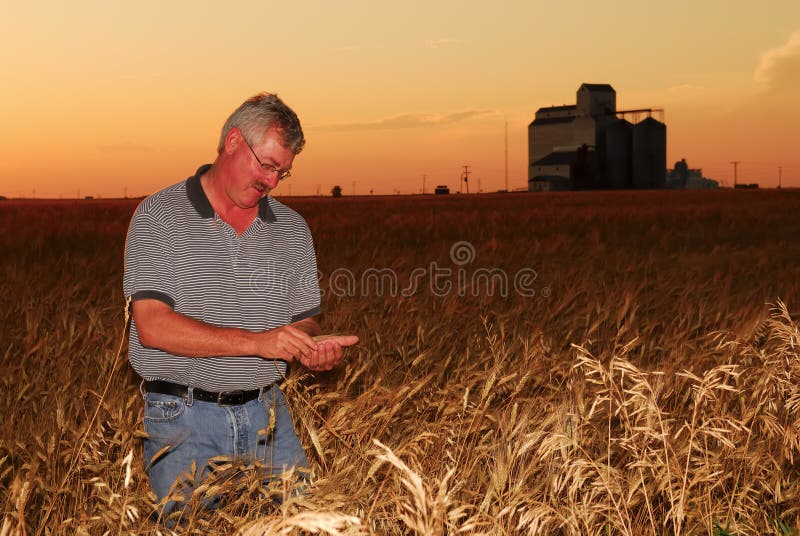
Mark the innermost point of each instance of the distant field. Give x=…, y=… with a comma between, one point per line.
x=569, y=363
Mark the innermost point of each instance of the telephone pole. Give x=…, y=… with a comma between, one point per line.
x=780, y=169
x=506, y=155
x=354, y=187
x=423, y=183
x=735, y=170
x=466, y=176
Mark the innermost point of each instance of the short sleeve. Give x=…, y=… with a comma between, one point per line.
x=305, y=282
x=148, y=273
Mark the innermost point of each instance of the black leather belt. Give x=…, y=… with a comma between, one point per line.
x=225, y=398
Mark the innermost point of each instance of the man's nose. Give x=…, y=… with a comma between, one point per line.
x=272, y=179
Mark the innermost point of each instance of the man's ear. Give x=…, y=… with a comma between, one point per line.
x=232, y=141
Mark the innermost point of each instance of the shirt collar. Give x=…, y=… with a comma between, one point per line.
x=265, y=211
x=199, y=199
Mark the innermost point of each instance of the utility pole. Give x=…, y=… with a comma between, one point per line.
x=318, y=189
x=735, y=170
x=466, y=176
x=126, y=191
x=780, y=169
x=479, y=185
x=506, y=155
x=423, y=183
x=354, y=187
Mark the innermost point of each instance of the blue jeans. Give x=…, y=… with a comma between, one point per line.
x=181, y=431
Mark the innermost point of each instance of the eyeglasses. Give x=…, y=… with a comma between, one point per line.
x=269, y=168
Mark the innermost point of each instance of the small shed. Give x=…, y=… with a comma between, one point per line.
x=442, y=189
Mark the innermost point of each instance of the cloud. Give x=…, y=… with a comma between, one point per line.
x=409, y=121
x=779, y=68
x=438, y=43
x=125, y=147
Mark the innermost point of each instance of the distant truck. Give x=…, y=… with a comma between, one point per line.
x=442, y=189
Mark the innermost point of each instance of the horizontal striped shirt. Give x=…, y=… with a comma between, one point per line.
x=179, y=251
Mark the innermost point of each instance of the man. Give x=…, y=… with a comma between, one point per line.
x=223, y=284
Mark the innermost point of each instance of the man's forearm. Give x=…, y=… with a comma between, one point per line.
x=178, y=334
x=159, y=326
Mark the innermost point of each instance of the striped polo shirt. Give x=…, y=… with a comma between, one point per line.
x=179, y=251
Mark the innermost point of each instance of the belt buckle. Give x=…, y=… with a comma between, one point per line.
x=231, y=398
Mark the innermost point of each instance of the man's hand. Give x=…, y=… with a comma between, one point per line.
x=287, y=343
x=329, y=351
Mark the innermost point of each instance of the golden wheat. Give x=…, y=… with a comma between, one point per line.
x=654, y=389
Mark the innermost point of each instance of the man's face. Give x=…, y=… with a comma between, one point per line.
x=252, y=181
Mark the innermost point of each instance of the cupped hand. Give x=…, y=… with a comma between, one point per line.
x=329, y=351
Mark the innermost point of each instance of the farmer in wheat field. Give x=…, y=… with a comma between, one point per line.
x=223, y=284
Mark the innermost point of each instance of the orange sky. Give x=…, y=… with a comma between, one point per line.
x=100, y=99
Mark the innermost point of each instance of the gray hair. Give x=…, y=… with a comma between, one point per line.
x=260, y=113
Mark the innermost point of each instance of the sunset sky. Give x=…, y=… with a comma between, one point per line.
x=103, y=98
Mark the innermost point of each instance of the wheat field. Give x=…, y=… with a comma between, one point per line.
x=643, y=377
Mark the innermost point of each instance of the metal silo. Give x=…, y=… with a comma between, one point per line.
x=649, y=154
x=618, y=138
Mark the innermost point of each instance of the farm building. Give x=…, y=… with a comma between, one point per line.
x=592, y=145
x=684, y=177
